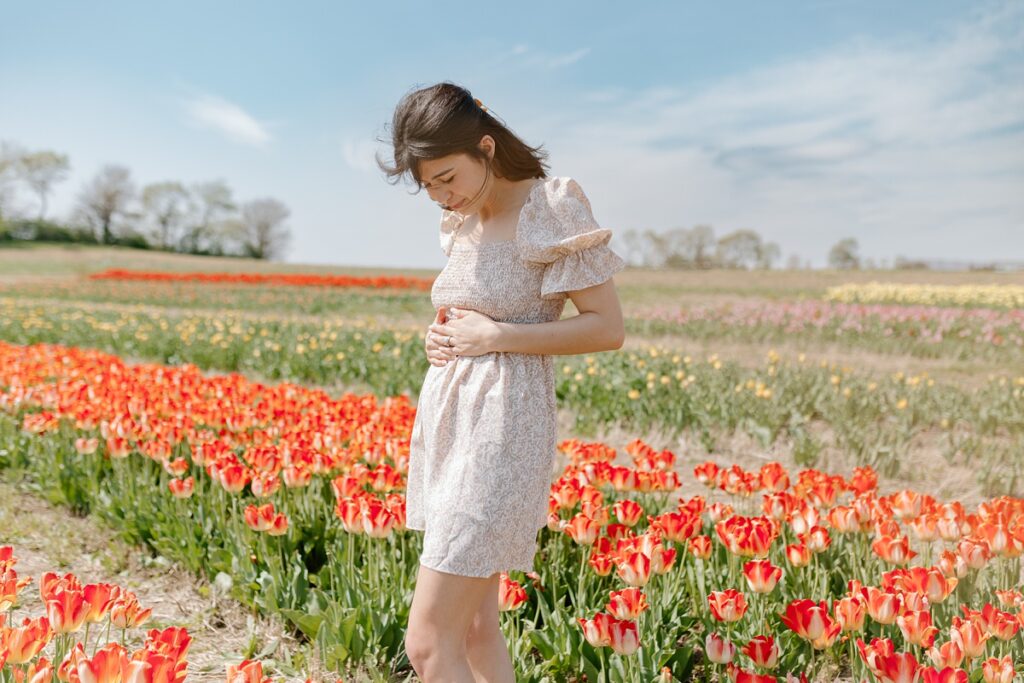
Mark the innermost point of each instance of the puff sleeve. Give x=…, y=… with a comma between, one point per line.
x=562, y=234
x=450, y=222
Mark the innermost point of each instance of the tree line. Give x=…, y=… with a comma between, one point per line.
x=199, y=218
x=698, y=248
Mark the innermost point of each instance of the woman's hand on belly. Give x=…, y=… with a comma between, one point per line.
x=472, y=333
x=437, y=353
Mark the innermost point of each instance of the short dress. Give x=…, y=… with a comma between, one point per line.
x=483, y=441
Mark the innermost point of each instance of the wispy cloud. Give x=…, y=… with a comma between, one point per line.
x=360, y=153
x=894, y=142
x=227, y=118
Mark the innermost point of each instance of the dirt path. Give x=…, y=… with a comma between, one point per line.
x=49, y=538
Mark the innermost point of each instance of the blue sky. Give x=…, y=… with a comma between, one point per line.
x=899, y=124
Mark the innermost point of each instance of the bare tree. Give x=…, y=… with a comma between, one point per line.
x=10, y=156
x=702, y=243
x=40, y=170
x=212, y=201
x=166, y=205
x=793, y=262
x=634, y=246
x=843, y=255
x=768, y=255
x=266, y=236
x=739, y=249
x=105, y=199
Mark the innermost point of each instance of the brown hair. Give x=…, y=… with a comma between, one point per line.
x=444, y=119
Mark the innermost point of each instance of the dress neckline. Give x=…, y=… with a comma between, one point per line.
x=473, y=246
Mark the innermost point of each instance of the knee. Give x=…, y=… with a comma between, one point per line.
x=427, y=649
x=481, y=633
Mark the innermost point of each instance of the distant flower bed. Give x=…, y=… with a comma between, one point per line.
x=295, y=279
x=999, y=296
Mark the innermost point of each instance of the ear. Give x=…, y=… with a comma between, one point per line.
x=488, y=145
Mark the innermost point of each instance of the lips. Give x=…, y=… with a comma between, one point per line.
x=455, y=206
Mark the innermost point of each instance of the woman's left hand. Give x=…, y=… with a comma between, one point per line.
x=472, y=332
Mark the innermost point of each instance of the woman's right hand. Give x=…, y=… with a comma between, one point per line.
x=437, y=352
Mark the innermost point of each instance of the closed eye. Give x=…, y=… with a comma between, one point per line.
x=451, y=178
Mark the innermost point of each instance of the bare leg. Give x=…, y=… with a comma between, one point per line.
x=486, y=648
x=442, y=611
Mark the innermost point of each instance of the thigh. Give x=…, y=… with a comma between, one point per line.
x=444, y=606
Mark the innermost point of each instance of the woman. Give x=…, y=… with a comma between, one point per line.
x=484, y=439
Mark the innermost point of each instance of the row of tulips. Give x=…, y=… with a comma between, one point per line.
x=829, y=561
x=996, y=296
x=333, y=301
x=932, y=331
x=917, y=330
x=875, y=420
x=273, y=279
x=73, y=609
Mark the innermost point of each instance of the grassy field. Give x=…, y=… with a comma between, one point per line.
x=744, y=368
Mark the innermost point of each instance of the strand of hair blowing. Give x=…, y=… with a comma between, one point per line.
x=444, y=119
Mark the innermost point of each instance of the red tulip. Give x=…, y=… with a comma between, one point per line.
x=763, y=651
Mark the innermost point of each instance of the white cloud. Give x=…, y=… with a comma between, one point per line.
x=895, y=143
x=228, y=119
x=360, y=153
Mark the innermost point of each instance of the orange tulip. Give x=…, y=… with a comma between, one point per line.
x=10, y=586
x=127, y=613
x=597, y=631
x=998, y=670
x=25, y=642
x=917, y=628
x=811, y=620
x=798, y=555
x=718, y=649
x=510, y=594
x=628, y=512
x=948, y=655
x=947, y=675
x=898, y=668
x=67, y=610
x=850, y=613
x=582, y=529
x=970, y=636
x=627, y=603
x=182, y=488
x=99, y=598
x=884, y=607
x=700, y=547
x=762, y=576
x=634, y=568
x=247, y=671
x=729, y=605
x=625, y=639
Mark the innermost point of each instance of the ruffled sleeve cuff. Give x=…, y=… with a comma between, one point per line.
x=560, y=231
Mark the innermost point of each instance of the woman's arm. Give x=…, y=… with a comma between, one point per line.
x=598, y=327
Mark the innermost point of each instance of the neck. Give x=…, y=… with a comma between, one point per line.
x=496, y=200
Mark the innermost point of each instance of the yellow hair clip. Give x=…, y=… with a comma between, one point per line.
x=480, y=104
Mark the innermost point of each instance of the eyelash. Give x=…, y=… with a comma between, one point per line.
x=445, y=181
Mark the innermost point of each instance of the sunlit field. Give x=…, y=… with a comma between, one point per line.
x=782, y=475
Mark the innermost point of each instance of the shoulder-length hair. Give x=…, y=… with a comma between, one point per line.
x=443, y=119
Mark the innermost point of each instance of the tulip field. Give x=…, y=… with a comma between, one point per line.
x=771, y=520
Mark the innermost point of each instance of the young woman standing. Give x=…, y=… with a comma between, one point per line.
x=519, y=243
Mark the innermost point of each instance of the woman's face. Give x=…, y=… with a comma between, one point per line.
x=456, y=179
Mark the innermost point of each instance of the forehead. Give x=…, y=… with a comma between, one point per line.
x=428, y=168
